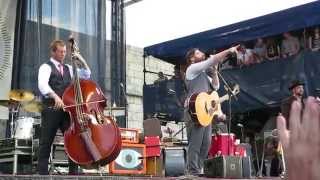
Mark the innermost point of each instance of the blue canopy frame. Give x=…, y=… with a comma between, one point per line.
x=295, y=18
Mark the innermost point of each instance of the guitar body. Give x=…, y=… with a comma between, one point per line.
x=204, y=106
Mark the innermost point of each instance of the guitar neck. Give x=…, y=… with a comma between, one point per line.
x=224, y=98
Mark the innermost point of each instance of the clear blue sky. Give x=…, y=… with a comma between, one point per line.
x=150, y=22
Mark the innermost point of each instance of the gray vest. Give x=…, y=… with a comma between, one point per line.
x=199, y=84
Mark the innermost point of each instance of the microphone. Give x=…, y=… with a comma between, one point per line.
x=124, y=93
x=240, y=125
x=171, y=91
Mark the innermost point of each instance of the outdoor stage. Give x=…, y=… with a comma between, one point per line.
x=85, y=177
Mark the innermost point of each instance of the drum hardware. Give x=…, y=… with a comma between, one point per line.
x=14, y=108
x=16, y=97
x=23, y=128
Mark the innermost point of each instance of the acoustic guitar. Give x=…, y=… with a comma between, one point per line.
x=204, y=106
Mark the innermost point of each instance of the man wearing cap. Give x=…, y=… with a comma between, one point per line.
x=297, y=90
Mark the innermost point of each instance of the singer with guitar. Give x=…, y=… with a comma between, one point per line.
x=198, y=81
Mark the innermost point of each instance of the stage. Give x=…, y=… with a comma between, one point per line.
x=86, y=177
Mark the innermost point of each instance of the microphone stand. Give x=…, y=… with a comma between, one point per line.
x=126, y=103
x=230, y=93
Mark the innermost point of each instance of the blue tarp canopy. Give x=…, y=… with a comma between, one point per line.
x=262, y=86
x=266, y=84
x=272, y=24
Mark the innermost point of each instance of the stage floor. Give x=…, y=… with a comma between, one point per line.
x=85, y=177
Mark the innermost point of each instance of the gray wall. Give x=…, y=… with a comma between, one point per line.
x=135, y=82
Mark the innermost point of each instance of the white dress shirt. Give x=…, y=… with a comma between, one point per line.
x=45, y=72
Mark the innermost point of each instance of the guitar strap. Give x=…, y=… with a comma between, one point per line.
x=207, y=77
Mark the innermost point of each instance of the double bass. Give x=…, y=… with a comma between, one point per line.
x=92, y=138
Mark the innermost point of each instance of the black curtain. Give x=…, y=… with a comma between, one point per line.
x=18, y=47
x=39, y=22
x=118, y=60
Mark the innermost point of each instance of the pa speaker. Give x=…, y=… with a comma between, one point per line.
x=131, y=160
x=223, y=167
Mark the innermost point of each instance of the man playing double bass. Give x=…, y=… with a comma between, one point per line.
x=53, y=78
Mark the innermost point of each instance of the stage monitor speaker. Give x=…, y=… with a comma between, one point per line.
x=223, y=167
x=175, y=161
x=131, y=160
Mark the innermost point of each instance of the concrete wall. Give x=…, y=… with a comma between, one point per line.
x=135, y=82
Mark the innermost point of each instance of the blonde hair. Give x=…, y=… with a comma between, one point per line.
x=54, y=45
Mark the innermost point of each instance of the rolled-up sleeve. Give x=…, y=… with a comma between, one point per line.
x=83, y=73
x=195, y=69
x=43, y=79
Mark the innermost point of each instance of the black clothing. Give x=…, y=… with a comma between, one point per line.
x=54, y=119
x=286, y=107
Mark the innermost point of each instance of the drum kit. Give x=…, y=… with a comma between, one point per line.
x=21, y=127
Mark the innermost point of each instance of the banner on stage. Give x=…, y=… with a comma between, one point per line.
x=7, y=25
x=7, y=28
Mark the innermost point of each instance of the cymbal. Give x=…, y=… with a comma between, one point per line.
x=9, y=103
x=4, y=103
x=33, y=106
x=21, y=95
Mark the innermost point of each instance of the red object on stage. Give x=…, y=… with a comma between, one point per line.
x=240, y=151
x=219, y=145
x=152, y=146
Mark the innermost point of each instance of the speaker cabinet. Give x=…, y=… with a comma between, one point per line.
x=223, y=167
x=131, y=160
x=246, y=167
x=174, y=161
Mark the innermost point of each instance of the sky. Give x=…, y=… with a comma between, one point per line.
x=151, y=22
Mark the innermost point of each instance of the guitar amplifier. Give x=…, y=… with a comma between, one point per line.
x=223, y=167
x=152, y=127
x=131, y=160
x=129, y=135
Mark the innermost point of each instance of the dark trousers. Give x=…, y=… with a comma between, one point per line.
x=52, y=120
x=199, y=141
